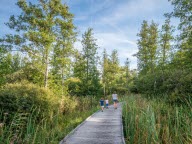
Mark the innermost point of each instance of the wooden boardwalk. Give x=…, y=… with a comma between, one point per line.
x=100, y=128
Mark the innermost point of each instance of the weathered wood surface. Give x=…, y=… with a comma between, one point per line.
x=100, y=128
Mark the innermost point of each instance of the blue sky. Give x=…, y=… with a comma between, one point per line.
x=115, y=22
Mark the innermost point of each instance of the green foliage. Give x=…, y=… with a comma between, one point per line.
x=154, y=121
x=45, y=33
x=166, y=37
x=10, y=63
x=39, y=29
x=142, y=54
x=26, y=128
x=105, y=73
x=183, y=11
x=68, y=104
x=86, y=64
x=175, y=83
x=114, y=76
x=182, y=87
x=165, y=68
x=74, y=86
x=23, y=97
x=147, y=43
x=121, y=90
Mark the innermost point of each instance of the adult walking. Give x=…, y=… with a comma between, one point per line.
x=115, y=99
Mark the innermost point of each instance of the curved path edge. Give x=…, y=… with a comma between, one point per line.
x=99, y=128
x=72, y=132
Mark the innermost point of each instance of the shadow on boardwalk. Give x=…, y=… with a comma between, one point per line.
x=100, y=128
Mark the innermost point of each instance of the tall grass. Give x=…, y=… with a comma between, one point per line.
x=27, y=129
x=154, y=121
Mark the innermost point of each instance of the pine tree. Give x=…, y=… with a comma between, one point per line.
x=142, y=55
x=166, y=38
x=114, y=69
x=165, y=49
x=89, y=53
x=147, y=54
x=152, y=46
x=104, y=70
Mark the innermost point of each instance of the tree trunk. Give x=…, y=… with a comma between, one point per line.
x=46, y=71
x=62, y=81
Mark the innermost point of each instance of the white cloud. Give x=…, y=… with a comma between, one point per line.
x=138, y=8
x=112, y=39
x=124, y=22
x=124, y=46
x=116, y=23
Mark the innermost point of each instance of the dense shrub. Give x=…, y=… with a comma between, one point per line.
x=74, y=86
x=67, y=104
x=25, y=97
x=121, y=90
x=78, y=87
x=24, y=128
x=183, y=88
x=175, y=83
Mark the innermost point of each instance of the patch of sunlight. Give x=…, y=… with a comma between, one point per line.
x=94, y=120
x=78, y=120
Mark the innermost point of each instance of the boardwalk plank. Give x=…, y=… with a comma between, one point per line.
x=100, y=128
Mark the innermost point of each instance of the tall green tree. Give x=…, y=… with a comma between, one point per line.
x=183, y=11
x=110, y=71
x=63, y=49
x=147, y=44
x=147, y=54
x=114, y=69
x=165, y=55
x=142, y=55
x=105, y=66
x=166, y=37
x=91, y=58
x=152, y=46
x=37, y=29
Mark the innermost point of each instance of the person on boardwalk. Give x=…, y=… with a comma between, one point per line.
x=107, y=103
x=102, y=104
x=115, y=99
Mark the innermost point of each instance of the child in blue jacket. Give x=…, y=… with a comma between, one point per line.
x=102, y=104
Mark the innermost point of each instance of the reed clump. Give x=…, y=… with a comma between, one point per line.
x=155, y=121
x=30, y=114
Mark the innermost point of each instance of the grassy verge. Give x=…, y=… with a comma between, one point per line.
x=154, y=121
x=26, y=129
